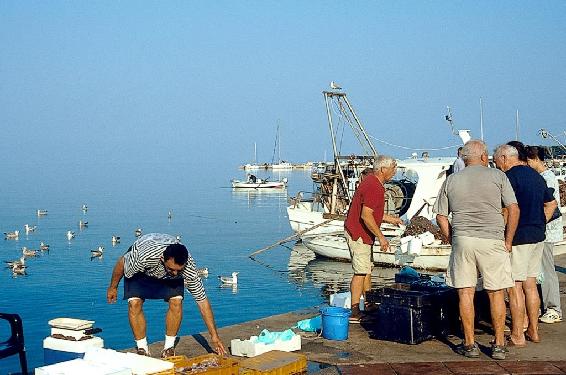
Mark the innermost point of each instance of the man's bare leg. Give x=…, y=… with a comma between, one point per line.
x=137, y=318
x=517, y=307
x=532, y=301
x=497, y=309
x=174, y=316
x=467, y=314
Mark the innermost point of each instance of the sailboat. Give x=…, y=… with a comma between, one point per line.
x=281, y=164
x=254, y=166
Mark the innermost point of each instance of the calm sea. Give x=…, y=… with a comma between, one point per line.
x=220, y=226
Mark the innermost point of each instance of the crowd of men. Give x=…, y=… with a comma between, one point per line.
x=502, y=224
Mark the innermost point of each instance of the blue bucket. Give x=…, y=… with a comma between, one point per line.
x=335, y=323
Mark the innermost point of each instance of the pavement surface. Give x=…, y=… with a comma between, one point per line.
x=360, y=354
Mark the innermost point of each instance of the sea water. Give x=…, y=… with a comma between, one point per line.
x=220, y=226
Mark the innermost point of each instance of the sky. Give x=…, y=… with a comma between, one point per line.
x=199, y=82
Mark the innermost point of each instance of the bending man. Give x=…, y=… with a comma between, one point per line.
x=156, y=266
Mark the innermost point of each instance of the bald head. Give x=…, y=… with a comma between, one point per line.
x=473, y=151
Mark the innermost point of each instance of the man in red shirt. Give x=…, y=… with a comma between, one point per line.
x=365, y=215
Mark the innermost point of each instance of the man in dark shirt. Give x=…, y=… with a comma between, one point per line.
x=536, y=204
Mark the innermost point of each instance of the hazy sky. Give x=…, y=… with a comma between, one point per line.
x=167, y=82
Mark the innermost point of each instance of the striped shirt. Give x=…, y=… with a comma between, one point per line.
x=144, y=256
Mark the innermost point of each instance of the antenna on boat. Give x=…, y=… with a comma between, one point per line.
x=546, y=134
x=517, y=126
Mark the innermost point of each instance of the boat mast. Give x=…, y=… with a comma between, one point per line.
x=360, y=126
x=481, y=119
x=517, y=126
x=255, y=153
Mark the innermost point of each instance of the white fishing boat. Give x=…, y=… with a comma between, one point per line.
x=432, y=257
x=257, y=183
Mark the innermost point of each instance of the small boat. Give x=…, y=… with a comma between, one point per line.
x=12, y=235
x=257, y=183
x=229, y=280
x=432, y=257
x=41, y=212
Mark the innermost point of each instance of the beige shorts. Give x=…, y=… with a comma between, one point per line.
x=471, y=256
x=361, y=255
x=526, y=260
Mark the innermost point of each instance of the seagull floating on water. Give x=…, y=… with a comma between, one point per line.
x=115, y=240
x=18, y=270
x=12, y=235
x=43, y=246
x=20, y=262
x=30, y=228
x=83, y=224
x=85, y=208
x=70, y=235
x=335, y=86
x=229, y=280
x=203, y=272
x=29, y=252
x=97, y=253
x=138, y=232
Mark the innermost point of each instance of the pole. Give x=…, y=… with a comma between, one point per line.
x=517, y=126
x=290, y=238
x=481, y=119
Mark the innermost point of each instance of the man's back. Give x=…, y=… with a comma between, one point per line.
x=474, y=197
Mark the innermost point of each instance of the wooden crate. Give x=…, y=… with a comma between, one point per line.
x=226, y=366
x=274, y=362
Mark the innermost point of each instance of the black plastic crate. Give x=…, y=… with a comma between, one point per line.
x=445, y=307
x=400, y=315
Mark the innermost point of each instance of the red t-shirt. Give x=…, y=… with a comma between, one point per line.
x=371, y=194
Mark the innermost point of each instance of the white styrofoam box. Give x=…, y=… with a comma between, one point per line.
x=139, y=365
x=72, y=346
x=344, y=300
x=80, y=366
x=77, y=334
x=427, y=238
x=415, y=246
x=405, y=243
x=251, y=347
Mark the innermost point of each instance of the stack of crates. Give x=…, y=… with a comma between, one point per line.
x=274, y=362
x=198, y=365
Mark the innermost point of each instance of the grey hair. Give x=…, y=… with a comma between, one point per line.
x=383, y=161
x=473, y=149
x=506, y=150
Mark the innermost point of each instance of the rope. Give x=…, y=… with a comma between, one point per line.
x=413, y=149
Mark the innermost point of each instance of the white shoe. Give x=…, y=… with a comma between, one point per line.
x=550, y=316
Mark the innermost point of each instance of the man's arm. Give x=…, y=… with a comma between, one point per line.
x=513, y=213
x=208, y=318
x=369, y=221
x=549, y=208
x=117, y=274
x=444, y=226
x=392, y=219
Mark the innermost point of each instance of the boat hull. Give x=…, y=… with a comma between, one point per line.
x=262, y=185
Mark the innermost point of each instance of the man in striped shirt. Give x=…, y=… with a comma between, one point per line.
x=157, y=266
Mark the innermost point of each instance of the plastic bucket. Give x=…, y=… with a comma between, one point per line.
x=335, y=323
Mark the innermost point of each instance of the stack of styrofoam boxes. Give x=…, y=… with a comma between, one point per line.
x=80, y=338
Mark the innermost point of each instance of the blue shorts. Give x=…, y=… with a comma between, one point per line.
x=146, y=287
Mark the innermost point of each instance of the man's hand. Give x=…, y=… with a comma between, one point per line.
x=396, y=221
x=111, y=294
x=384, y=244
x=508, y=246
x=218, y=346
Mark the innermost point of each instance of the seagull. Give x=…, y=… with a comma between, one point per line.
x=97, y=253
x=43, y=246
x=83, y=224
x=12, y=235
x=335, y=86
x=28, y=252
x=20, y=262
x=178, y=238
x=203, y=272
x=18, y=270
x=169, y=215
x=30, y=228
x=138, y=232
x=115, y=240
x=229, y=280
x=85, y=208
x=70, y=235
